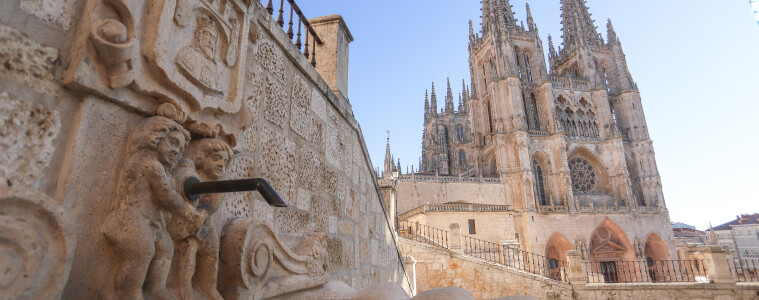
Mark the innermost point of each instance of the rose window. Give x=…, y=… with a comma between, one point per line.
x=583, y=175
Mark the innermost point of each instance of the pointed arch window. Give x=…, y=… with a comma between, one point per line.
x=462, y=159
x=540, y=189
x=528, y=67
x=490, y=116
x=459, y=133
x=533, y=113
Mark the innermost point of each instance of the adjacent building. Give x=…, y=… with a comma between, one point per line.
x=549, y=156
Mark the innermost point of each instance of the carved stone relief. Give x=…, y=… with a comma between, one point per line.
x=37, y=244
x=190, y=53
x=27, y=131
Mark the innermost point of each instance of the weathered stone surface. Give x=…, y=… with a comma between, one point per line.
x=26, y=61
x=57, y=13
x=277, y=104
x=27, y=131
x=300, y=121
x=310, y=169
x=37, y=242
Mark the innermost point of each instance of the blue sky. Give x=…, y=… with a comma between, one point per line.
x=695, y=63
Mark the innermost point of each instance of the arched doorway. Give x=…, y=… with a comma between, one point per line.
x=656, y=254
x=609, y=248
x=556, y=255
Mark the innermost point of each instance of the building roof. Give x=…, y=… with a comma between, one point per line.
x=739, y=220
x=679, y=225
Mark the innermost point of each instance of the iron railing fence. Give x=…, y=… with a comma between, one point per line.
x=308, y=31
x=744, y=270
x=650, y=271
x=423, y=233
x=481, y=249
x=535, y=263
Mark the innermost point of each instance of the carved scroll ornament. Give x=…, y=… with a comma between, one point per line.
x=258, y=265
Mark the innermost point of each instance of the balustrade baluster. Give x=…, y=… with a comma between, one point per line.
x=270, y=8
x=313, y=54
x=305, y=52
x=290, y=24
x=280, y=18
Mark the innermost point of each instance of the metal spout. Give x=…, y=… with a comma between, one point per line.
x=193, y=188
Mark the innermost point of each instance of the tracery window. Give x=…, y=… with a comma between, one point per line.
x=459, y=133
x=462, y=158
x=582, y=174
x=540, y=189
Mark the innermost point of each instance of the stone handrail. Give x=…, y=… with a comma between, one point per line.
x=453, y=207
x=439, y=178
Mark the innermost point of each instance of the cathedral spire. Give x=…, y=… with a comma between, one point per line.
x=530, y=22
x=496, y=13
x=388, y=158
x=433, y=102
x=449, y=98
x=578, y=25
x=399, y=167
x=426, y=107
x=551, y=48
x=611, y=35
x=464, y=96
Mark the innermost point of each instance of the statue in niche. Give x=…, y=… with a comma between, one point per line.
x=147, y=200
x=198, y=60
x=196, y=260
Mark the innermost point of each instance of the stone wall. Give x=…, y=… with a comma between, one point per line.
x=412, y=194
x=77, y=77
x=489, y=226
x=437, y=267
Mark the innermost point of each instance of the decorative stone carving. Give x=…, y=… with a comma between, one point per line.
x=271, y=59
x=57, y=13
x=138, y=228
x=276, y=106
x=258, y=265
x=300, y=122
x=26, y=61
x=196, y=258
x=36, y=245
x=188, y=53
x=27, y=131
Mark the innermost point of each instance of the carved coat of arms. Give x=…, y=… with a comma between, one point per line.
x=143, y=54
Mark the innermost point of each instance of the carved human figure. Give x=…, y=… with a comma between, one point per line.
x=146, y=201
x=198, y=261
x=198, y=60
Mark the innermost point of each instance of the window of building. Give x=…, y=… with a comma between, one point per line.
x=462, y=158
x=553, y=264
x=540, y=190
x=472, y=229
x=582, y=174
x=490, y=116
x=459, y=133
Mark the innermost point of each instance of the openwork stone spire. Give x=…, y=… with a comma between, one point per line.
x=433, y=102
x=426, y=107
x=449, y=99
x=388, y=157
x=578, y=25
x=611, y=34
x=497, y=13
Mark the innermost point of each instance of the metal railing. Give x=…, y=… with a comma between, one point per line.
x=422, y=233
x=302, y=23
x=650, y=271
x=535, y=263
x=744, y=270
x=481, y=249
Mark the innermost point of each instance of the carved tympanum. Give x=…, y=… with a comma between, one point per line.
x=36, y=245
x=145, y=204
x=258, y=265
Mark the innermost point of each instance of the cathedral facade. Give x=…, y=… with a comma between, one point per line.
x=564, y=144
